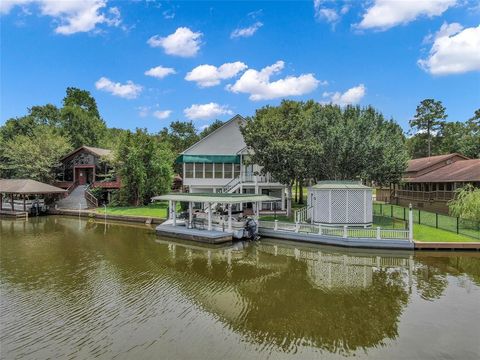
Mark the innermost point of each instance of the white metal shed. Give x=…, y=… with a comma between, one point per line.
x=340, y=203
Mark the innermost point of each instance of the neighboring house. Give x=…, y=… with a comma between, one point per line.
x=219, y=163
x=430, y=182
x=87, y=165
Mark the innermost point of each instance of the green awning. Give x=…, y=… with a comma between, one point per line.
x=216, y=197
x=208, y=159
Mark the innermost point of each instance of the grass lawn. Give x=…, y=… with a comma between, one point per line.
x=157, y=210
x=430, y=234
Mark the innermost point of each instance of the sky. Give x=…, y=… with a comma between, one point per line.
x=148, y=63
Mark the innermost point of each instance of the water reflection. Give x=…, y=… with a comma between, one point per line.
x=76, y=288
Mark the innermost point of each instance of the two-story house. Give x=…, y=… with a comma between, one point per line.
x=219, y=163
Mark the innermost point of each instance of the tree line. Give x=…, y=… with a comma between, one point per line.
x=297, y=142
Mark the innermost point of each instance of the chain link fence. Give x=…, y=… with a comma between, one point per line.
x=398, y=216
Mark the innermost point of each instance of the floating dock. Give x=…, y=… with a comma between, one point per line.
x=391, y=244
x=204, y=236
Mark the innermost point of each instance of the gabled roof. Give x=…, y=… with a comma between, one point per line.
x=425, y=162
x=93, y=150
x=27, y=186
x=461, y=171
x=226, y=123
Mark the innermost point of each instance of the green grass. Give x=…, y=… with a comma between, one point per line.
x=430, y=234
x=157, y=210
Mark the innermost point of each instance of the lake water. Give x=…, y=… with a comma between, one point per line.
x=78, y=289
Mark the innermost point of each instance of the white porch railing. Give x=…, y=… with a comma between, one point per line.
x=345, y=232
x=302, y=215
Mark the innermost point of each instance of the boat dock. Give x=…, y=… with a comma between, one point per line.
x=204, y=236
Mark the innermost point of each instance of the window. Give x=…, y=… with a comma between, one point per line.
x=189, y=171
x=237, y=170
x=227, y=171
x=208, y=171
x=218, y=171
x=198, y=170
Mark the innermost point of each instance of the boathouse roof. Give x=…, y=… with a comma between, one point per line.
x=27, y=186
x=215, y=197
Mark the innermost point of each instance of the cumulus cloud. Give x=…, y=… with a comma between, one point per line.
x=127, y=91
x=183, y=42
x=350, y=97
x=160, y=72
x=329, y=10
x=206, y=111
x=455, y=50
x=258, y=84
x=209, y=75
x=246, y=32
x=162, y=114
x=71, y=16
x=384, y=14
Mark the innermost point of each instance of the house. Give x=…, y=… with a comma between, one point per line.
x=219, y=163
x=429, y=183
x=87, y=165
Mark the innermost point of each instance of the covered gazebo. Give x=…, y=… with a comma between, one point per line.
x=24, y=188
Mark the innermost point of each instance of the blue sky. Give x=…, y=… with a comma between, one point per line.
x=384, y=53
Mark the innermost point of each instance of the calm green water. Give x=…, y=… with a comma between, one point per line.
x=81, y=290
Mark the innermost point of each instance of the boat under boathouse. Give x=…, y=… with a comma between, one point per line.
x=210, y=217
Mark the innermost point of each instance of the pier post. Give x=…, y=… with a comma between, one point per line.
x=378, y=233
x=319, y=229
x=174, y=204
x=297, y=227
x=275, y=227
x=229, y=217
x=410, y=223
x=170, y=209
x=345, y=231
x=209, y=216
x=190, y=215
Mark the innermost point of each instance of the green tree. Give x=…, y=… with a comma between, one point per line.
x=82, y=99
x=280, y=144
x=466, y=204
x=357, y=144
x=429, y=117
x=180, y=135
x=471, y=142
x=211, y=128
x=34, y=157
x=145, y=167
x=81, y=127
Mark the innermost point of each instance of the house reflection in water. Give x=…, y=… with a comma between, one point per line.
x=287, y=296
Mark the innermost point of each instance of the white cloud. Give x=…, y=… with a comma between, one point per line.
x=127, y=91
x=160, y=72
x=455, y=50
x=258, y=85
x=143, y=111
x=162, y=114
x=72, y=16
x=183, y=42
x=209, y=75
x=246, y=32
x=350, y=97
x=206, y=111
x=384, y=14
x=329, y=10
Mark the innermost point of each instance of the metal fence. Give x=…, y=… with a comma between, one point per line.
x=399, y=216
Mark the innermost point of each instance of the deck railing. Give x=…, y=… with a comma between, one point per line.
x=335, y=231
x=425, y=195
x=91, y=199
x=302, y=215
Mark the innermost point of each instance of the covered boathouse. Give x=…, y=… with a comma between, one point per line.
x=210, y=222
